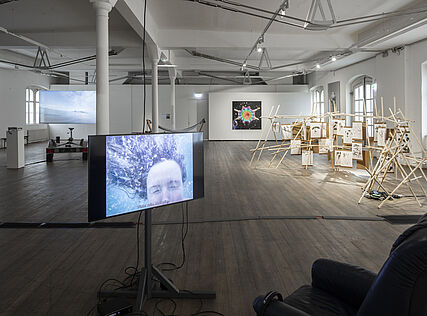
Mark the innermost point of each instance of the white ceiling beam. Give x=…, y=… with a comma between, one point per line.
x=133, y=12
x=172, y=39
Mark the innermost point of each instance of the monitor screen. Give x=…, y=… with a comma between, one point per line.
x=129, y=173
x=67, y=107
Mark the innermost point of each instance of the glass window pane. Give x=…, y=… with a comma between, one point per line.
x=357, y=107
x=37, y=96
x=322, y=96
x=31, y=116
x=370, y=105
x=368, y=92
x=26, y=112
x=37, y=113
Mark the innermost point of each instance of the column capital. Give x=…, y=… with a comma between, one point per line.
x=106, y=5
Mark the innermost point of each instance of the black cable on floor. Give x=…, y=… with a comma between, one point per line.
x=184, y=232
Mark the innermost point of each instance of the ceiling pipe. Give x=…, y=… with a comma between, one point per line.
x=276, y=13
x=262, y=10
x=338, y=23
x=207, y=3
x=222, y=60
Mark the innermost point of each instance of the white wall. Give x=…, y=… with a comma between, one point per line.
x=398, y=76
x=12, y=97
x=220, y=111
x=126, y=106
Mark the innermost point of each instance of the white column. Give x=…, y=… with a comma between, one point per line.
x=172, y=76
x=102, y=7
x=155, y=93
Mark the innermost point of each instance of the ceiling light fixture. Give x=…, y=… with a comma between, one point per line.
x=260, y=45
x=198, y=95
x=318, y=66
x=334, y=58
x=282, y=12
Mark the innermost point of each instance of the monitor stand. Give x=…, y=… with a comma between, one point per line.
x=145, y=290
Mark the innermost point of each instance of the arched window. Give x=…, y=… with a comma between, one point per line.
x=363, y=94
x=318, y=96
x=32, y=108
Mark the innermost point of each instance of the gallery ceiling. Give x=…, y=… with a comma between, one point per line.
x=204, y=35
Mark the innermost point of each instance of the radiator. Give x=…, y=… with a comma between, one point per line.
x=38, y=135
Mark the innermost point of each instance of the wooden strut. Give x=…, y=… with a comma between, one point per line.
x=391, y=155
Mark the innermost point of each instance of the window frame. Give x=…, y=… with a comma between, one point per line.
x=359, y=91
x=32, y=105
x=318, y=101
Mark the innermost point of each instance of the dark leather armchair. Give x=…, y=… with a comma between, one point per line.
x=340, y=289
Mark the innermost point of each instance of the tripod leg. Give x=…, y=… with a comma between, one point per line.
x=164, y=280
x=142, y=291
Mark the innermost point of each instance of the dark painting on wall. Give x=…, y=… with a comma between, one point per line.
x=246, y=115
x=334, y=96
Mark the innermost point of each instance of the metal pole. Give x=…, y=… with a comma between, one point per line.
x=155, y=93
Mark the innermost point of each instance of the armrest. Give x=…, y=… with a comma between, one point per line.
x=276, y=308
x=345, y=281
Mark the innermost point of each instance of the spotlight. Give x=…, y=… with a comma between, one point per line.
x=259, y=45
x=244, y=64
x=198, y=95
x=334, y=58
x=282, y=11
x=317, y=66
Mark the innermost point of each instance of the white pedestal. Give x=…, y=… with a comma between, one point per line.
x=15, y=149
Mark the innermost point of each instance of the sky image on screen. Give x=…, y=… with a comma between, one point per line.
x=145, y=171
x=68, y=107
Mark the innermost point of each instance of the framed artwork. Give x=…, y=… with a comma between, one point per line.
x=347, y=137
x=357, y=130
x=357, y=149
x=275, y=127
x=381, y=136
x=344, y=158
x=246, y=115
x=406, y=141
x=295, y=146
x=307, y=158
x=287, y=131
x=376, y=126
x=338, y=126
x=316, y=129
x=324, y=146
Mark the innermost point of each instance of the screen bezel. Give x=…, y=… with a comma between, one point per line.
x=97, y=185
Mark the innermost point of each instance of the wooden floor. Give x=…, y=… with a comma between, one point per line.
x=58, y=271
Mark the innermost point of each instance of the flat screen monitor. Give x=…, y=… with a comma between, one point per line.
x=129, y=173
x=67, y=107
